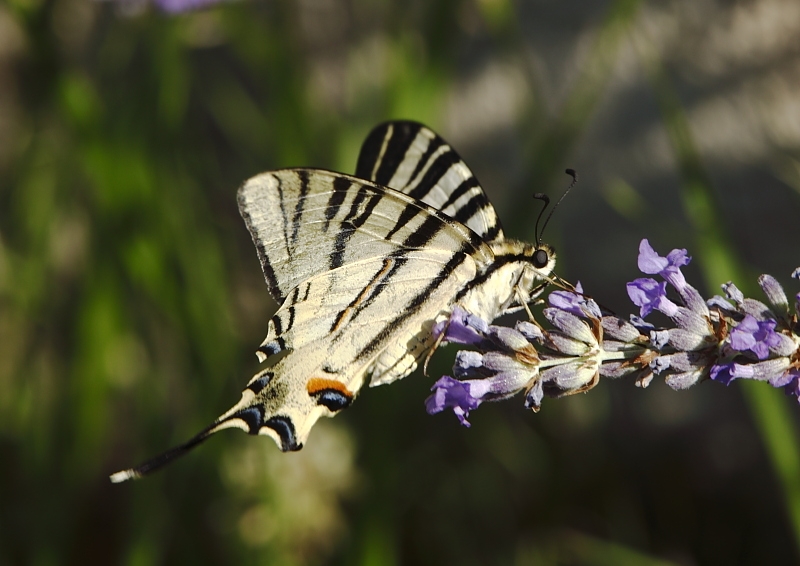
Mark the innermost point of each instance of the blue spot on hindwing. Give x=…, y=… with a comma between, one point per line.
x=332, y=399
x=252, y=416
x=285, y=429
x=260, y=383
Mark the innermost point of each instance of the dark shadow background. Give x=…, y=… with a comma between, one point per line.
x=131, y=299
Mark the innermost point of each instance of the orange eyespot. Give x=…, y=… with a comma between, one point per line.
x=317, y=385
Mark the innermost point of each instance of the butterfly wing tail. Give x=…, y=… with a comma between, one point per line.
x=247, y=414
x=165, y=458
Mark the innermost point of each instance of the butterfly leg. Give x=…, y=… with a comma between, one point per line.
x=524, y=299
x=439, y=340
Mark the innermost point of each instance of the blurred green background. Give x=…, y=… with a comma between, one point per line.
x=131, y=300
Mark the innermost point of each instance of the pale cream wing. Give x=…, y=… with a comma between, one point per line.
x=308, y=221
x=336, y=328
x=329, y=334
x=361, y=271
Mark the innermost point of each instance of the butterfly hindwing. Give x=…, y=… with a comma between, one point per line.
x=361, y=271
x=339, y=326
x=410, y=158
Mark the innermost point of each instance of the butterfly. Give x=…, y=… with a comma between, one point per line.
x=363, y=267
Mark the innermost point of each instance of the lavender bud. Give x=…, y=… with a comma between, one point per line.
x=783, y=345
x=756, y=309
x=499, y=363
x=687, y=341
x=693, y=300
x=533, y=399
x=774, y=292
x=532, y=332
x=614, y=370
x=685, y=361
x=761, y=371
x=469, y=365
x=619, y=329
x=570, y=376
x=733, y=292
x=583, y=375
x=683, y=380
x=510, y=339
x=660, y=364
x=570, y=325
x=691, y=322
x=567, y=345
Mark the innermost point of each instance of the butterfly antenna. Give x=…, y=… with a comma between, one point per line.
x=572, y=173
x=546, y=200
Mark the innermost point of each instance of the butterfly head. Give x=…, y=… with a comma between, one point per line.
x=528, y=264
x=537, y=269
x=541, y=260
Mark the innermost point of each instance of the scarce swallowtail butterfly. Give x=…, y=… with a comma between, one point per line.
x=363, y=267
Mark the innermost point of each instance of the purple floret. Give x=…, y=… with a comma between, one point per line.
x=755, y=336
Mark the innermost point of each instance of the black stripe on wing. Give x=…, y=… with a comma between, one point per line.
x=384, y=150
x=410, y=158
x=410, y=308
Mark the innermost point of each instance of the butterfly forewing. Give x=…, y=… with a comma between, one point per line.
x=309, y=221
x=412, y=159
x=341, y=324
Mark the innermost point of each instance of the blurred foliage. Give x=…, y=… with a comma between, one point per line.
x=131, y=298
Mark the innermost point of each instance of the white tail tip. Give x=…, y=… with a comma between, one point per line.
x=124, y=475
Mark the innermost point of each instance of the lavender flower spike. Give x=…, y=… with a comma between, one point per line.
x=566, y=360
x=508, y=365
x=722, y=340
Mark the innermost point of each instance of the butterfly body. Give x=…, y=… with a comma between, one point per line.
x=363, y=267
x=512, y=269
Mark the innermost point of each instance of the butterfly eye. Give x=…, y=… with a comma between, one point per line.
x=540, y=258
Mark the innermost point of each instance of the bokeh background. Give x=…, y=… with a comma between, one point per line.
x=131, y=299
